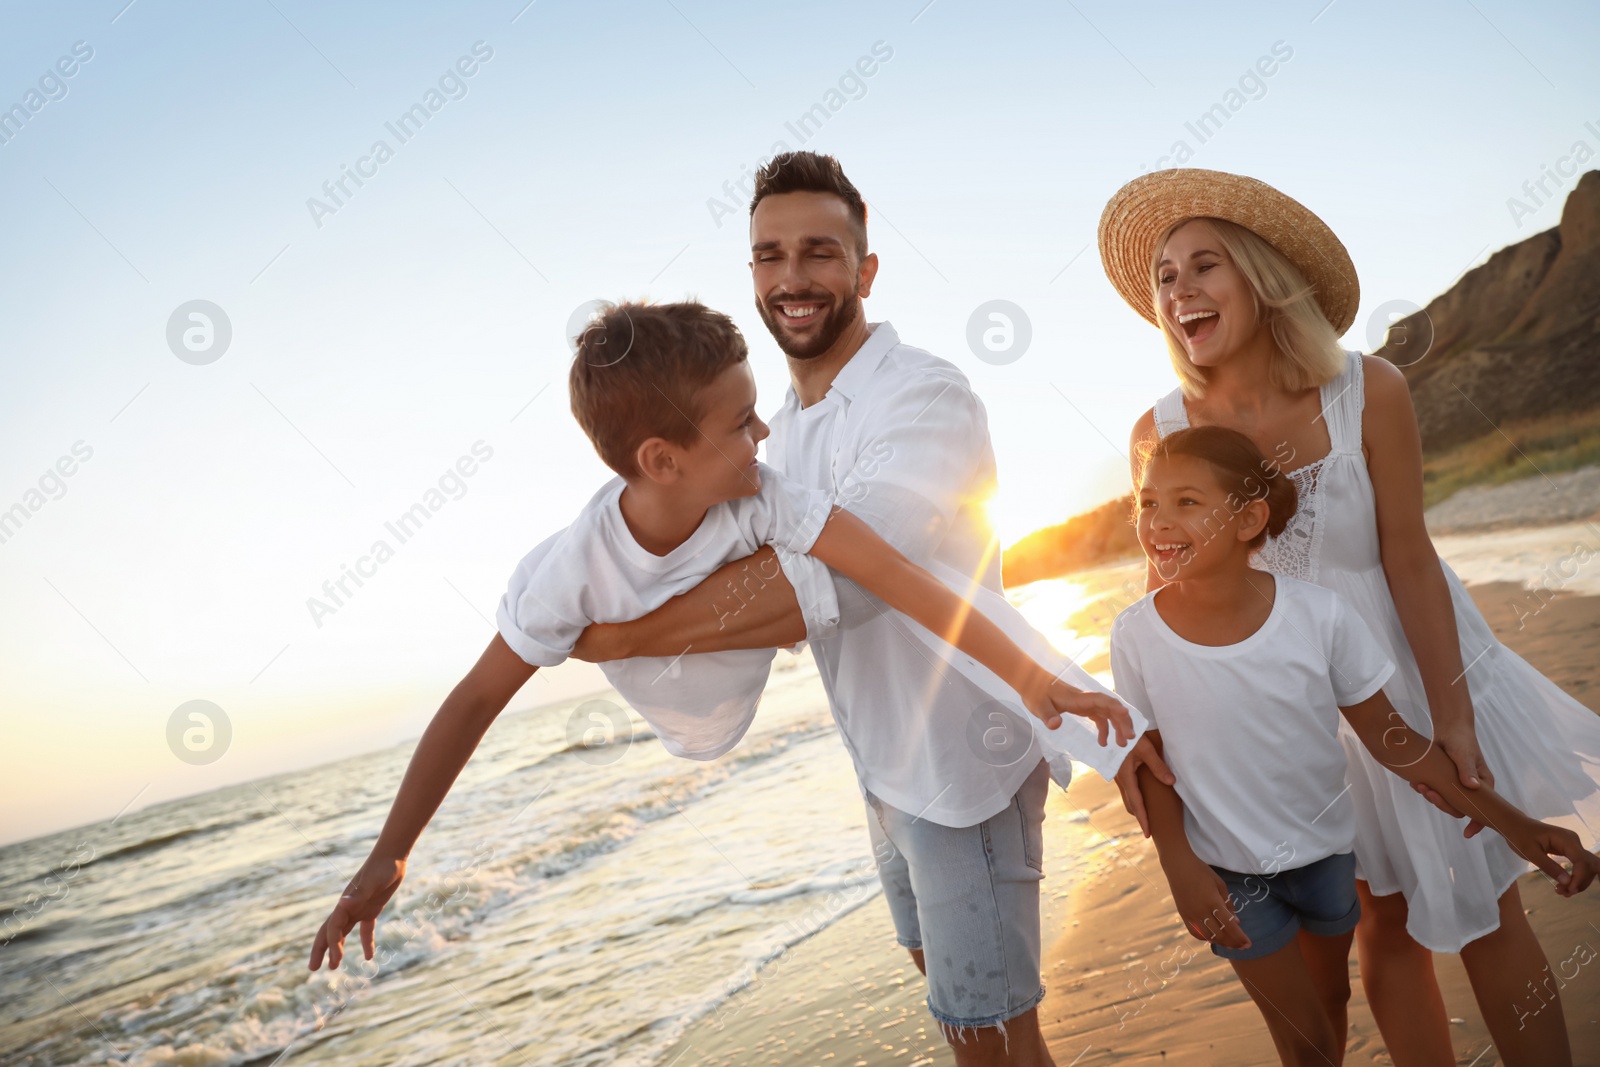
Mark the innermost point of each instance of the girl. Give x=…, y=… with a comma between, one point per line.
x=1252, y=292
x=1243, y=675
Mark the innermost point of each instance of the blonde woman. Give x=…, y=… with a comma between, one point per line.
x=1252, y=292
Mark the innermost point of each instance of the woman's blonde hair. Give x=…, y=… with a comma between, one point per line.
x=1285, y=303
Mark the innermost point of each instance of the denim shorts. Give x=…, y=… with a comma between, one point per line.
x=968, y=897
x=1319, y=898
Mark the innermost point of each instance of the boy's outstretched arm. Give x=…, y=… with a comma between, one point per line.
x=1418, y=760
x=745, y=603
x=850, y=547
x=1198, y=892
x=445, y=747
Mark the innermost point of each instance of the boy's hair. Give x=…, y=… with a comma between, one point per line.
x=640, y=371
x=1245, y=474
x=1285, y=303
x=808, y=172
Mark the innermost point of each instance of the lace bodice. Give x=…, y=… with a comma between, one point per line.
x=1293, y=552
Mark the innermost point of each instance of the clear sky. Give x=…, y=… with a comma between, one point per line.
x=385, y=331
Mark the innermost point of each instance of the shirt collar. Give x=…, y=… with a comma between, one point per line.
x=855, y=374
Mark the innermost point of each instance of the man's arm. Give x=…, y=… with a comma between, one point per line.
x=745, y=603
x=1418, y=760
x=1198, y=892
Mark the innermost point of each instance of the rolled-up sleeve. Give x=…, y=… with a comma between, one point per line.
x=536, y=616
x=791, y=520
x=813, y=588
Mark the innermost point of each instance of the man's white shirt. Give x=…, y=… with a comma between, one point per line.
x=902, y=442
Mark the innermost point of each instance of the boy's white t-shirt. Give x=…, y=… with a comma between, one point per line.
x=699, y=704
x=1250, y=730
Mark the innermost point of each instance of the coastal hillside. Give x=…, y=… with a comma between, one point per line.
x=1083, y=541
x=1508, y=375
x=1517, y=338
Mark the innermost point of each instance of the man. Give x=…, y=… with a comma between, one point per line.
x=901, y=440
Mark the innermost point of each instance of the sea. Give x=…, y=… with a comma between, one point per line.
x=580, y=898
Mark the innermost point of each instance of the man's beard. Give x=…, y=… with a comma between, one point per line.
x=836, y=320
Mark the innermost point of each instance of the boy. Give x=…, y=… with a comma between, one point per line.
x=666, y=395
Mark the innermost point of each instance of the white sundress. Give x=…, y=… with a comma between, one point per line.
x=1542, y=745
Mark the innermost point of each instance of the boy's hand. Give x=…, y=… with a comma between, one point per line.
x=1536, y=842
x=363, y=899
x=1203, y=903
x=1056, y=699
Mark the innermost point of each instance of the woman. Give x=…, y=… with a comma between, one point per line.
x=1252, y=292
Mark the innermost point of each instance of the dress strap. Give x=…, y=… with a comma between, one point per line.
x=1170, y=413
x=1342, y=403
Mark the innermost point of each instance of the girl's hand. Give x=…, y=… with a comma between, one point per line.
x=1460, y=743
x=1204, y=905
x=363, y=899
x=1056, y=699
x=1536, y=842
x=1434, y=797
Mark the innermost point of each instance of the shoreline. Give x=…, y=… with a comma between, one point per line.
x=1532, y=503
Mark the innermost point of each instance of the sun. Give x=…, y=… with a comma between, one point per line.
x=1006, y=522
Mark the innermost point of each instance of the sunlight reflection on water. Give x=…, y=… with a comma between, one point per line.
x=1075, y=613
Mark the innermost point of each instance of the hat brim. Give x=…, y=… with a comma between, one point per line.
x=1145, y=208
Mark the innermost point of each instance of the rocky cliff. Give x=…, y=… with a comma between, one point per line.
x=1515, y=338
x=1083, y=541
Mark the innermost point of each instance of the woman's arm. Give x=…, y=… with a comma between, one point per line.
x=1411, y=566
x=1418, y=760
x=850, y=547
x=745, y=603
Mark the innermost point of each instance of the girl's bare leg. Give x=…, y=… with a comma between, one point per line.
x=1292, y=1005
x=1328, y=960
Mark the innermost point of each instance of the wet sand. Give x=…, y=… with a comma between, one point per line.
x=1126, y=983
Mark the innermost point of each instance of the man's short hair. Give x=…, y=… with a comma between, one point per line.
x=809, y=172
x=641, y=370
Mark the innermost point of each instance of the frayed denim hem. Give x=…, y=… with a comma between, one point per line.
x=953, y=1029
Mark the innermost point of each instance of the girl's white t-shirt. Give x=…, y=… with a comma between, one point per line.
x=1250, y=730
x=701, y=703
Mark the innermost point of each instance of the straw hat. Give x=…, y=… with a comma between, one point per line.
x=1142, y=210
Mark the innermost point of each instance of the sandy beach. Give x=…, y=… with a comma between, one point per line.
x=1125, y=983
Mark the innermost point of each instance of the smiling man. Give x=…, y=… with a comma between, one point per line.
x=898, y=436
